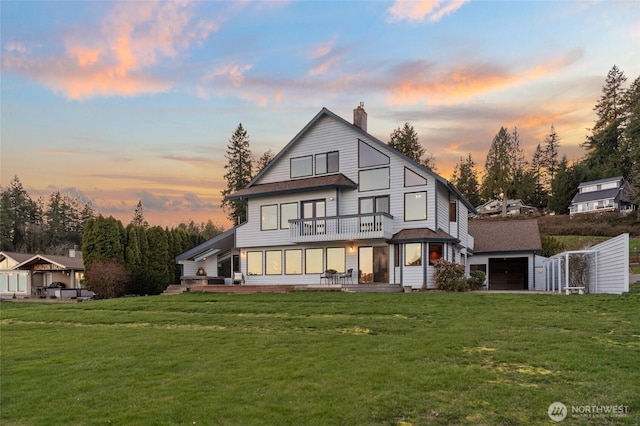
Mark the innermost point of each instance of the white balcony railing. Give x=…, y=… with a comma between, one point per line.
x=351, y=227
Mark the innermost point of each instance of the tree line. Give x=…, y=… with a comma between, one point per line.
x=140, y=256
x=549, y=183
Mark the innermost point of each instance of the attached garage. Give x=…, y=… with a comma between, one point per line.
x=506, y=251
x=508, y=273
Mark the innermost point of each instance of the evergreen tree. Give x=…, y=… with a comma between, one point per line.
x=565, y=185
x=238, y=175
x=538, y=170
x=497, y=178
x=133, y=260
x=405, y=140
x=605, y=151
x=466, y=181
x=158, y=270
x=632, y=137
x=138, y=216
x=18, y=213
x=103, y=240
x=550, y=157
x=264, y=160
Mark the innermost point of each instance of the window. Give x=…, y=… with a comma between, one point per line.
x=415, y=206
x=336, y=258
x=411, y=178
x=374, y=179
x=287, y=212
x=293, y=262
x=269, y=217
x=254, y=263
x=374, y=204
x=478, y=267
x=274, y=262
x=302, y=166
x=369, y=156
x=413, y=254
x=327, y=162
x=453, y=211
x=313, y=261
x=435, y=252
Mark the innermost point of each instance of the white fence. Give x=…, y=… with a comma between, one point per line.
x=603, y=268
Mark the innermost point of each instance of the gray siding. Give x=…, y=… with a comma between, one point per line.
x=613, y=265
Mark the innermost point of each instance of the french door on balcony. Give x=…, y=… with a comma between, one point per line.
x=373, y=263
x=313, y=213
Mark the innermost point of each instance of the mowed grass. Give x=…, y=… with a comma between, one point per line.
x=316, y=358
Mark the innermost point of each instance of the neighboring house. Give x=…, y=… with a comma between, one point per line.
x=210, y=262
x=514, y=207
x=337, y=198
x=612, y=194
x=28, y=274
x=505, y=250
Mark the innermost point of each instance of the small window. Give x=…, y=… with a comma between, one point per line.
x=302, y=166
x=396, y=255
x=373, y=179
x=374, y=204
x=411, y=178
x=254, y=263
x=453, y=211
x=269, y=217
x=313, y=261
x=413, y=254
x=293, y=262
x=369, y=156
x=415, y=206
x=273, y=260
x=287, y=212
x=435, y=252
x=333, y=162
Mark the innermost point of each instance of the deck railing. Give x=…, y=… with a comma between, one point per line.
x=350, y=227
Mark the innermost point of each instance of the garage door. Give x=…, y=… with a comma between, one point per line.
x=508, y=274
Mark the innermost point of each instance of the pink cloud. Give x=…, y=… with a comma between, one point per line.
x=119, y=59
x=418, y=11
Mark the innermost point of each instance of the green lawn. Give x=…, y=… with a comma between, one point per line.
x=316, y=358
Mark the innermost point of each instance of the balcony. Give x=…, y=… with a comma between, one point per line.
x=341, y=228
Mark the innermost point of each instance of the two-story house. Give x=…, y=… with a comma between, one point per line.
x=336, y=198
x=611, y=194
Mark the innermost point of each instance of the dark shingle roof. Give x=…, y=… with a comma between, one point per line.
x=604, y=194
x=496, y=236
x=18, y=257
x=422, y=234
x=293, y=186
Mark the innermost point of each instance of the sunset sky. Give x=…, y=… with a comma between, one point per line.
x=125, y=101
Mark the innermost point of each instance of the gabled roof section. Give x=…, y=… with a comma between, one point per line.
x=324, y=112
x=595, y=182
x=16, y=257
x=422, y=234
x=498, y=236
x=221, y=242
x=293, y=186
x=62, y=262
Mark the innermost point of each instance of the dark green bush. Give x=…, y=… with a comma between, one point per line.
x=476, y=280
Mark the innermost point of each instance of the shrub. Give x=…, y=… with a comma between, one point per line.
x=476, y=280
x=551, y=246
x=449, y=276
x=107, y=279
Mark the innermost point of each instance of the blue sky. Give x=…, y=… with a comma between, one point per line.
x=125, y=101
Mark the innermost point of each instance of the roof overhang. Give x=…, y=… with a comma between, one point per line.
x=295, y=186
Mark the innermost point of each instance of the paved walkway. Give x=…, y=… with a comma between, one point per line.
x=634, y=278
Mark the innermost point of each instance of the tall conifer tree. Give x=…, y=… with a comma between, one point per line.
x=238, y=175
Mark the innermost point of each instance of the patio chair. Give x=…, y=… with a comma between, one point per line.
x=238, y=278
x=346, y=276
x=329, y=275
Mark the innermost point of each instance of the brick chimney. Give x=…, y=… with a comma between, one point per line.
x=360, y=117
